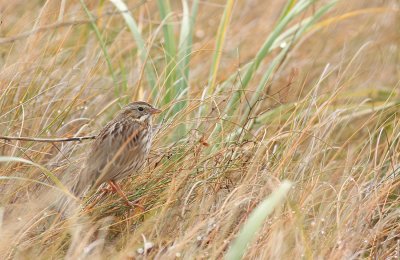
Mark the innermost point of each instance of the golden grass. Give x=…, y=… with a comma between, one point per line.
x=327, y=121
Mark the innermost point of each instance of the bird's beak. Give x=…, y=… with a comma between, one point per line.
x=154, y=111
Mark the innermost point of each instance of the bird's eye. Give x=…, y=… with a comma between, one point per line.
x=140, y=108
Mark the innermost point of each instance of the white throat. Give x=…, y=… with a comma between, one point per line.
x=144, y=117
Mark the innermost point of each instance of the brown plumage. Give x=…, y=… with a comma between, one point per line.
x=120, y=149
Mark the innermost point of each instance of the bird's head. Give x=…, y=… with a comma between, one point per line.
x=140, y=110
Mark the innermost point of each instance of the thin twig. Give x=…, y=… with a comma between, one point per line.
x=47, y=140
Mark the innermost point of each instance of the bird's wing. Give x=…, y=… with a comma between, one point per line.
x=109, y=151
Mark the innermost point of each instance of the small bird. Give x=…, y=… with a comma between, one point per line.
x=119, y=150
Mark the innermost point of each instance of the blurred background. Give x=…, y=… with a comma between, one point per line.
x=253, y=93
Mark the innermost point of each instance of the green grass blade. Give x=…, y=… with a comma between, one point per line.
x=103, y=48
x=185, y=41
x=288, y=6
x=255, y=222
x=221, y=34
x=170, y=50
x=48, y=173
x=301, y=28
x=184, y=55
x=30, y=180
x=265, y=49
x=142, y=50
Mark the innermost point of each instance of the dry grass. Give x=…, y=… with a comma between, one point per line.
x=326, y=120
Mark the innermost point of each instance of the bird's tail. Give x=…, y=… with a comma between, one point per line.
x=65, y=203
x=68, y=202
x=81, y=185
